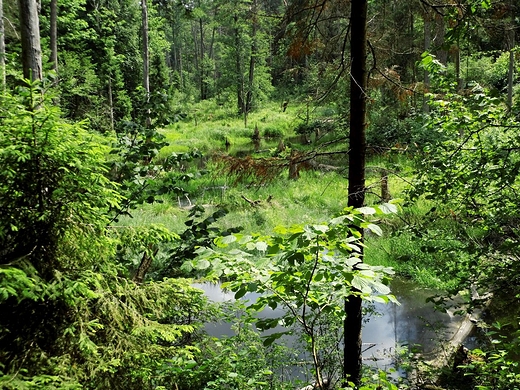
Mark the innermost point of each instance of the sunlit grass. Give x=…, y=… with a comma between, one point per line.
x=314, y=198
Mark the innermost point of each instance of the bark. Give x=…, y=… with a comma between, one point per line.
x=2, y=47
x=54, y=34
x=144, y=266
x=195, y=49
x=202, y=74
x=427, y=44
x=146, y=55
x=111, y=103
x=440, y=33
x=511, y=43
x=294, y=172
x=456, y=55
x=240, y=77
x=252, y=60
x=30, y=33
x=385, y=191
x=356, y=175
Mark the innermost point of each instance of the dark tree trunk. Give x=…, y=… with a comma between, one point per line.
x=427, y=45
x=356, y=174
x=2, y=47
x=31, y=47
x=146, y=55
x=252, y=60
x=511, y=46
x=54, y=34
x=240, y=77
x=203, y=84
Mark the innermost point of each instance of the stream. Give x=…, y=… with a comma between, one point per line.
x=414, y=322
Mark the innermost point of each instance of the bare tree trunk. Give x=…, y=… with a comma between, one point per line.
x=2, y=47
x=144, y=266
x=54, y=34
x=427, y=44
x=356, y=176
x=31, y=46
x=111, y=103
x=240, y=77
x=440, y=34
x=196, y=50
x=511, y=46
x=456, y=53
x=146, y=55
x=294, y=172
x=203, y=84
x=252, y=59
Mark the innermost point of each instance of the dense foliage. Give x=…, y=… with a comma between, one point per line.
x=137, y=162
x=69, y=318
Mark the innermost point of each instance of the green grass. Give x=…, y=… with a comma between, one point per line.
x=315, y=197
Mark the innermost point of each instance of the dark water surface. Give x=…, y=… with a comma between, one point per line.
x=414, y=322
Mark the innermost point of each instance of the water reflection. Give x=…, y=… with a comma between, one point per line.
x=414, y=322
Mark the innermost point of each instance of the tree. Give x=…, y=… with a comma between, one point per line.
x=30, y=32
x=146, y=55
x=2, y=47
x=69, y=318
x=356, y=174
x=54, y=34
x=308, y=271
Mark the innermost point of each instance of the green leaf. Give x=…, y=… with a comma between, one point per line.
x=261, y=246
x=240, y=293
x=338, y=220
x=367, y=210
x=375, y=229
x=202, y=264
x=320, y=228
x=381, y=288
x=228, y=239
x=388, y=208
x=362, y=283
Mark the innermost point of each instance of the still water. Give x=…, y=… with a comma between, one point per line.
x=414, y=322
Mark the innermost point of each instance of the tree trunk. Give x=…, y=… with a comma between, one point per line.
x=240, y=76
x=511, y=46
x=2, y=47
x=202, y=81
x=356, y=175
x=427, y=44
x=146, y=55
x=54, y=34
x=440, y=34
x=146, y=58
x=111, y=103
x=252, y=60
x=31, y=47
x=456, y=55
x=196, y=50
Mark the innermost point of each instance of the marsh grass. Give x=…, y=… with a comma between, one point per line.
x=314, y=198
x=208, y=126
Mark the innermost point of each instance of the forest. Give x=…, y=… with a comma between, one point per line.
x=314, y=161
